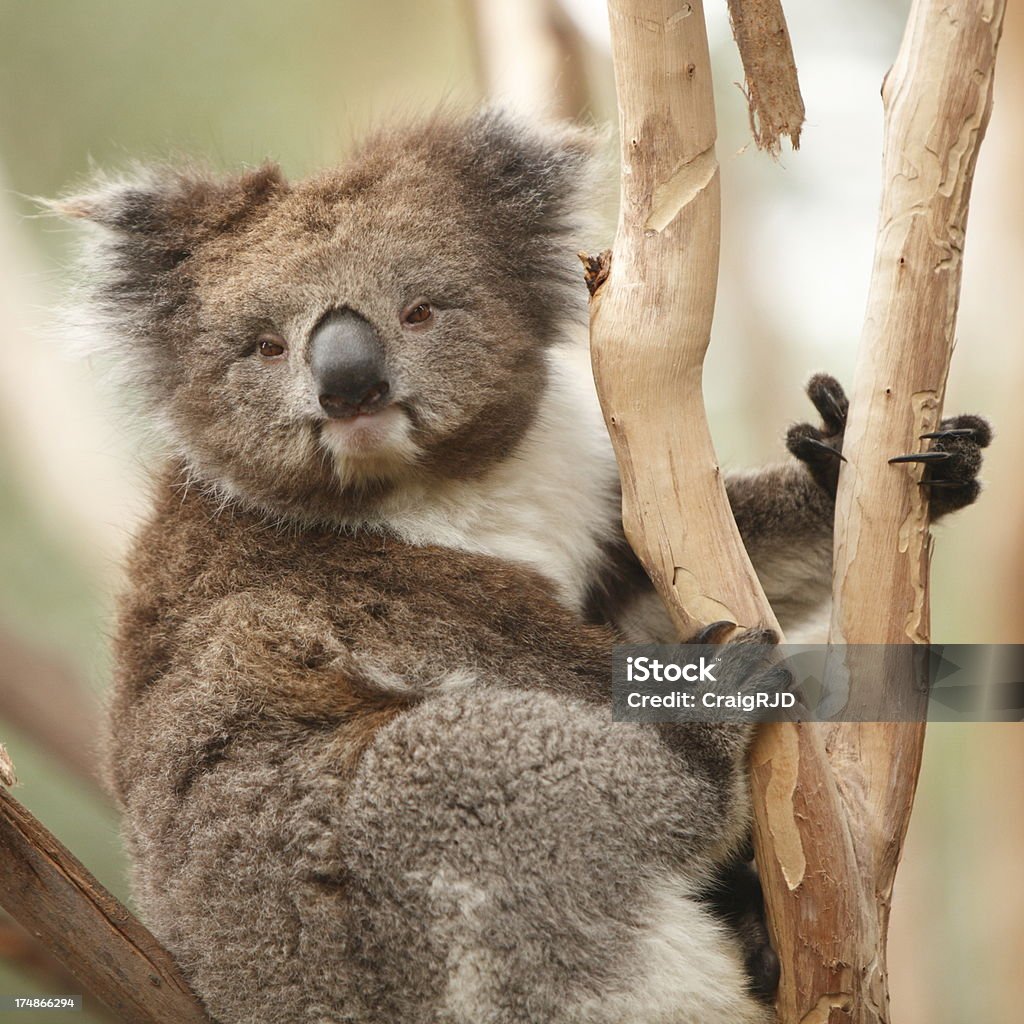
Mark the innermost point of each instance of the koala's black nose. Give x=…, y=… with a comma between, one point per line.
x=347, y=362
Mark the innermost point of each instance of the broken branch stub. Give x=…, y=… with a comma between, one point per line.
x=772, y=87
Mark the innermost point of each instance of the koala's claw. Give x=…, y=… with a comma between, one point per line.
x=820, y=448
x=960, y=432
x=828, y=397
x=922, y=457
x=952, y=463
x=833, y=453
x=714, y=633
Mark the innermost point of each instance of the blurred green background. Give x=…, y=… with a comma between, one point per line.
x=93, y=83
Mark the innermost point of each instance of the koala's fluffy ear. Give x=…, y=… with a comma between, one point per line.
x=533, y=178
x=136, y=290
x=539, y=169
x=164, y=212
x=531, y=189
x=136, y=283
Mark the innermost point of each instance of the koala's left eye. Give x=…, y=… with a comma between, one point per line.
x=271, y=346
x=417, y=313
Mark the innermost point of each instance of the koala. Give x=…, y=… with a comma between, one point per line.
x=360, y=727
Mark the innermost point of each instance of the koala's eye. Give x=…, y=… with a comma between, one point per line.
x=271, y=346
x=418, y=313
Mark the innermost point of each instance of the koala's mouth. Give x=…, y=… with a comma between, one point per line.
x=370, y=445
x=365, y=430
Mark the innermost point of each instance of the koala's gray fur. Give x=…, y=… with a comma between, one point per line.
x=360, y=731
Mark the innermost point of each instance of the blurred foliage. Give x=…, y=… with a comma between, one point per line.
x=111, y=82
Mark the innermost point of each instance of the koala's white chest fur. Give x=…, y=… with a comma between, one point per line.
x=552, y=505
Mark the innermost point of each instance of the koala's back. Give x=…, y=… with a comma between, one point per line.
x=368, y=782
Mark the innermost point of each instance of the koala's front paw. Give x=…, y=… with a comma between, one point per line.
x=952, y=463
x=745, y=665
x=820, y=449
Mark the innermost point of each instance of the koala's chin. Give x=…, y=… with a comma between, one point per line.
x=371, y=448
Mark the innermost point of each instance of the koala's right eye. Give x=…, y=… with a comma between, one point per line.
x=271, y=346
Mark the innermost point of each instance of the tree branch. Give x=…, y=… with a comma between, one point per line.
x=651, y=316
x=937, y=100
x=52, y=895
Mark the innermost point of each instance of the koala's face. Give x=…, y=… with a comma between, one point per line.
x=312, y=346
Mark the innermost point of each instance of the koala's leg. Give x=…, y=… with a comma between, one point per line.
x=515, y=856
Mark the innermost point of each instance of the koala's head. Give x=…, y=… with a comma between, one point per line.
x=310, y=346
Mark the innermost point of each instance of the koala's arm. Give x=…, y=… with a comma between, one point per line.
x=785, y=513
x=785, y=519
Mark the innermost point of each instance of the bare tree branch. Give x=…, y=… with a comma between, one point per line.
x=530, y=55
x=651, y=313
x=52, y=895
x=937, y=100
x=650, y=325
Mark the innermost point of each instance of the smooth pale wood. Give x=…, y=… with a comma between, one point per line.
x=937, y=100
x=651, y=318
x=650, y=326
x=772, y=86
x=45, y=889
